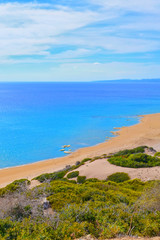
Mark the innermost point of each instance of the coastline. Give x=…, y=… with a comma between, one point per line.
x=146, y=132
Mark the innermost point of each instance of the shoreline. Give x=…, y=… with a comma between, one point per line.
x=145, y=132
x=114, y=132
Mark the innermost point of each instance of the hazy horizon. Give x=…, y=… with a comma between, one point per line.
x=91, y=81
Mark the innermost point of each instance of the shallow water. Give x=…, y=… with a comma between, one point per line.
x=37, y=119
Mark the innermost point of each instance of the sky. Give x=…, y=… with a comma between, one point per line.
x=79, y=40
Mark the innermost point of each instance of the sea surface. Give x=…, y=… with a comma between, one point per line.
x=37, y=119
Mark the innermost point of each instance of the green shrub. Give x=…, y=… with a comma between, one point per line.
x=104, y=156
x=103, y=209
x=51, y=176
x=99, y=208
x=68, y=180
x=86, y=160
x=92, y=180
x=73, y=174
x=19, y=212
x=157, y=154
x=118, y=177
x=97, y=157
x=14, y=186
x=138, y=160
x=81, y=163
x=134, y=184
x=81, y=179
x=140, y=149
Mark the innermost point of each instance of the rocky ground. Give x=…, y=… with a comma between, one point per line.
x=122, y=238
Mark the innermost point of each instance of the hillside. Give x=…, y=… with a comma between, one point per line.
x=66, y=205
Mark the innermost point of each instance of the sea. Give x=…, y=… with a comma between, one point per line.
x=37, y=119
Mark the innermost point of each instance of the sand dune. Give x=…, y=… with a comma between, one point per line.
x=101, y=169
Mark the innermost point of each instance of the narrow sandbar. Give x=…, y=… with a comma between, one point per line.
x=146, y=132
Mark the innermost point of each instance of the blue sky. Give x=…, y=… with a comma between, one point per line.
x=60, y=40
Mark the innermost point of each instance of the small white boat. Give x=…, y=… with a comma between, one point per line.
x=67, y=152
x=66, y=146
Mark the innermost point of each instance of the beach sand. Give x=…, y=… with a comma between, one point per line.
x=147, y=132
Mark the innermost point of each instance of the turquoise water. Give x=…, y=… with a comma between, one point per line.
x=36, y=119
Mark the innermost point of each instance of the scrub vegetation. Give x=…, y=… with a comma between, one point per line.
x=134, y=158
x=102, y=209
x=118, y=177
x=61, y=208
x=73, y=174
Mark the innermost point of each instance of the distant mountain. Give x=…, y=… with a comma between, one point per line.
x=130, y=80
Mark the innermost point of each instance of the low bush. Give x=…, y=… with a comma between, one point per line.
x=48, y=177
x=19, y=212
x=157, y=154
x=104, y=156
x=118, y=177
x=135, y=184
x=99, y=208
x=68, y=180
x=92, y=180
x=14, y=186
x=140, y=149
x=96, y=158
x=103, y=209
x=86, y=160
x=73, y=174
x=138, y=160
x=81, y=179
x=78, y=164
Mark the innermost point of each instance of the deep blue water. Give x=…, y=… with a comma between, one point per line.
x=36, y=119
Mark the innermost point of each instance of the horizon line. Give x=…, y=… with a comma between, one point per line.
x=89, y=81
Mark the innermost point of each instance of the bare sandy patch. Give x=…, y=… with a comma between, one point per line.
x=101, y=169
x=34, y=183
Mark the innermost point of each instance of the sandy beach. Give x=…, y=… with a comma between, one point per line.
x=147, y=132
